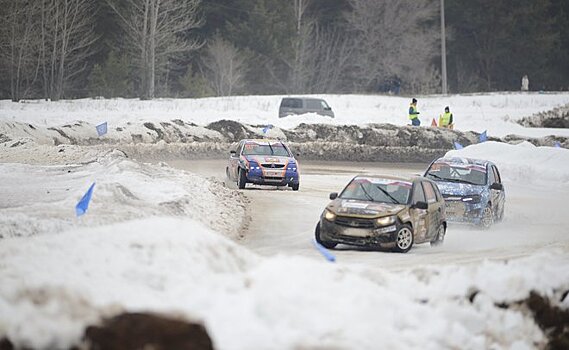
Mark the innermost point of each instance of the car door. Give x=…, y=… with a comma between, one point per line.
x=497, y=196
x=434, y=212
x=418, y=216
x=234, y=160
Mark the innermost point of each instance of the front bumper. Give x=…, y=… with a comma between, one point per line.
x=346, y=233
x=463, y=212
x=275, y=178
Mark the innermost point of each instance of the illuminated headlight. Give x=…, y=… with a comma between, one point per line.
x=328, y=215
x=472, y=199
x=384, y=221
x=293, y=169
x=255, y=167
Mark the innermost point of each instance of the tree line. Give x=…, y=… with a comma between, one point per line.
x=56, y=49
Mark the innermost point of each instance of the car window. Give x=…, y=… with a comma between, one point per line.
x=378, y=190
x=437, y=192
x=472, y=174
x=418, y=194
x=496, y=174
x=313, y=104
x=430, y=195
x=265, y=149
x=324, y=104
x=491, y=176
x=291, y=103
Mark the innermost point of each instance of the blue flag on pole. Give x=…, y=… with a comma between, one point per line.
x=102, y=129
x=83, y=204
x=457, y=145
x=557, y=144
x=483, y=136
x=267, y=128
x=329, y=256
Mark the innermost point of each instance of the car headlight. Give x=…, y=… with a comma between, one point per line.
x=384, y=221
x=472, y=199
x=328, y=215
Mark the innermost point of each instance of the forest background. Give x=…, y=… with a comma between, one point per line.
x=63, y=49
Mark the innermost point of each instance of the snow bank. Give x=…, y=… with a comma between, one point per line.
x=41, y=199
x=524, y=162
x=179, y=266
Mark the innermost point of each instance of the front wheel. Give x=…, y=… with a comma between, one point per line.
x=295, y=186
x=487, y=217
x=241, y=179
x=325, y=244
x=404, y=239
x=439, y=239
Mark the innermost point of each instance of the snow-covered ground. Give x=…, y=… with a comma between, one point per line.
x=495, y=113
x=158, y=239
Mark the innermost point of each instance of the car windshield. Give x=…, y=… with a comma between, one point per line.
x=378, y=190
x=470, y=174
x=265, y=149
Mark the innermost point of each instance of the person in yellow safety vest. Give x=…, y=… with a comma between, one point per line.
x=445, y=119
x=413, y=114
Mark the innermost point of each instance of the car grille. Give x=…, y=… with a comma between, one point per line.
x=454, y=209
x=272, y=166
x=273, y=178
x=354, y=222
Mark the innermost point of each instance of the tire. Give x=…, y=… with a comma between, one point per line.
x=487, y=217
x=227, y=173
x=404, y=239
x=440, y=238
x=295, y=186
x=241, y=179
x=325, y=244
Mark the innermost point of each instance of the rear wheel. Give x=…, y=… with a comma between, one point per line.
x=325, y=244
x=404, y=239
x=241, y=179
x=439, y=239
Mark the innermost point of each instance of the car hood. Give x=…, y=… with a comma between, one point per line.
x=459, y=189
x=270, y=159
x=352, y=207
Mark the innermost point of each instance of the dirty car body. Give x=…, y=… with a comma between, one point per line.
x=263, y=162
x=472, y=189
x=380, y=211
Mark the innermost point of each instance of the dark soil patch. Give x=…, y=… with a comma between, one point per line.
x=147, y=331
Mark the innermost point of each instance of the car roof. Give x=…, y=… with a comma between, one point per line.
x=463, y=161
x=262, y=140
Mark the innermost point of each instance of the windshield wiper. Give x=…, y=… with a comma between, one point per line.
x=437, y=176
x=395, y=201
x=271, y=147
x=366, y=193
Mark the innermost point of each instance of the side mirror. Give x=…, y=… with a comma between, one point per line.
x=421, y=205
x=232, y=153
x=333, y=195
x=497, y=186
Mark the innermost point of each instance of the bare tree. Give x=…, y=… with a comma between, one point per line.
x=225, y=65
x=67, y=36
x=394, y=38
x=155, y=30
x=18, y=42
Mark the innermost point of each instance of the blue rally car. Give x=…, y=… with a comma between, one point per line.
x=472, y=189
x=263, y=162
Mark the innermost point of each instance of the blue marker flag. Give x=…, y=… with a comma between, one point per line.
x=102, y=129
x=267, y=128
x=329, y=256
x=483, y=136
x=457, y=145
x=557, y=144
x=83, y=204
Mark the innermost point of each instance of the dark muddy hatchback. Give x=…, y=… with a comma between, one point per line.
x=384, y=212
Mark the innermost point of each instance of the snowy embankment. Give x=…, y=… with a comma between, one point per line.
x=54, y=284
